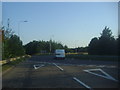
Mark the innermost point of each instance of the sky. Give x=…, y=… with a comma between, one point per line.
x=72, y=23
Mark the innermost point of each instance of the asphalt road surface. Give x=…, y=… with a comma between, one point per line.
x=47, y=72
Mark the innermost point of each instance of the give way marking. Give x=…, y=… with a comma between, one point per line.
x=107, y=76
x=38, y=66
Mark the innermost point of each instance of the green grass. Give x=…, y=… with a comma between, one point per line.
x=42, y=54
x=93, y=57
x=12, y=63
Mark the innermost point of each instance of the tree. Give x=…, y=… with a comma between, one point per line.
x=106, y=33
x=5, y=44
x=106, y=43
x=15, y=46
x=93, y=46
x=103, y=45
x=32, y=47
x=11, y=44
x=66, y=48
x=118, y=45
x=42, y=47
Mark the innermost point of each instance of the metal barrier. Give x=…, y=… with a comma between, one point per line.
x=11, y=59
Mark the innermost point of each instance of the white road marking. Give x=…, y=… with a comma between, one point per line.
x=101, y=66
x=37, y=66
x=81, y=83
x=107, y=76
x=58, y=66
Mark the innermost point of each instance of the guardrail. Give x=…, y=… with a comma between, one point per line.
x=12, y=59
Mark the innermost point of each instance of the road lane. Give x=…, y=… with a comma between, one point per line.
x=24, y=75
x=50, y=59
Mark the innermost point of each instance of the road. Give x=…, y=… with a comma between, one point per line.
x=46, y=72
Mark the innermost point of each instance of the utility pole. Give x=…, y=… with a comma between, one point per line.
x=51, y=43
x=1, y=45
x=8, y=23
x=75, y=47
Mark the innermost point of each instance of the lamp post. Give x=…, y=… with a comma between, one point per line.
x=19, y=26
x=50, y=43
x=76, y=46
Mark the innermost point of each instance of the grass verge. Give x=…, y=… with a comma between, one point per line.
x=93, y=57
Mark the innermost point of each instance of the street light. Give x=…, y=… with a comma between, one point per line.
x=50, y=42
x=19, y=26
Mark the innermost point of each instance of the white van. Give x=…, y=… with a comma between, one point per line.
x=60, y=53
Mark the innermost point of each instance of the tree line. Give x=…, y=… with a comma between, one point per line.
x=12, y=46
x=106, y=44
x=43, y=47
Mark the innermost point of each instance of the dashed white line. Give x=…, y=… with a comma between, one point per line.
x=81, y=83
x=58, y=66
